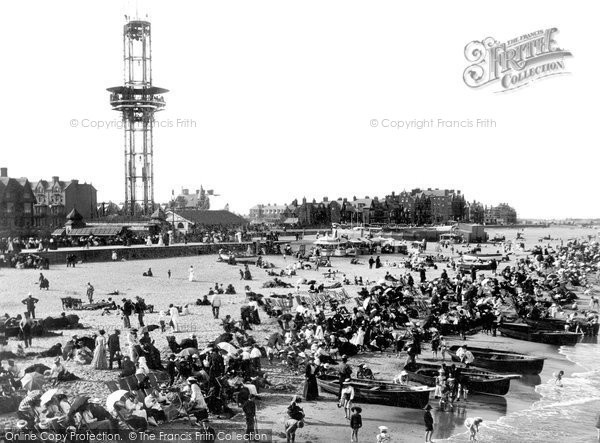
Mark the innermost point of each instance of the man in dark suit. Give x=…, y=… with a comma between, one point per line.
x=127, y=310
x=114, y=349
x=30, y=302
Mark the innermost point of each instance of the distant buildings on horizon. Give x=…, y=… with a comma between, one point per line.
x=415, y=207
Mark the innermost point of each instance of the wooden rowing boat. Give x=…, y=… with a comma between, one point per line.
x=547, y=324
x=502, y=361
x=238, y=258
x=527, y=332
x=380, y=392
x=475, y=379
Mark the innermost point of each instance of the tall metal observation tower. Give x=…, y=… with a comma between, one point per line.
x=138, y=100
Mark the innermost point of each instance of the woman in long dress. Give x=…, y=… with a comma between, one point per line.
x=132, y=342
x=358, y=339
x=319, y=335
x=99, y=360
x=311, y=388
x=191, y=274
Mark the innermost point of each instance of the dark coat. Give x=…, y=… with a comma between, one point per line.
x=113, y=342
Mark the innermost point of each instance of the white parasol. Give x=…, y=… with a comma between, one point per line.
x=47, y=396
x=114, y=397
x=227, y=347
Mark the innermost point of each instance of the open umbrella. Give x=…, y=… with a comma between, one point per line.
x=38, y=367
x=47, y=396
x=227, y=347
x=78, y=403
x=188, y=351
x=33, y=381
x=114, y=397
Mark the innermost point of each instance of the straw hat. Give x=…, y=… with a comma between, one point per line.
x=383, y=428
x=346, y=382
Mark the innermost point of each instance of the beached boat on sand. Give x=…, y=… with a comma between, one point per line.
x=380, y=392
x=237, y=257
x=502, y=361
x=547, y=324
x=476, y=379
x=527, y=332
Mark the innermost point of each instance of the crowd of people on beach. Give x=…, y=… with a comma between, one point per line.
x=537, y=286
x=400, y=313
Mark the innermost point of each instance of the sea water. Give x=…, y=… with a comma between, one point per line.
x=564, y=413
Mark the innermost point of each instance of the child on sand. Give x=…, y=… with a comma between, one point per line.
x=443, y=347
x=472, y=424
x=383, y=436
x=355, y=423
x=428, y=418
x=435, y=346
x=346, y=397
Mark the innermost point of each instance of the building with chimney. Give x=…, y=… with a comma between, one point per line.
x=197, y=200
x=16, y=205
x=56, y=198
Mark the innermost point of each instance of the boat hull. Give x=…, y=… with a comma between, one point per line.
x=547, y=324
x=368, y=391
x=238, y=259
x=524, y=332
x=476, y=380
x=502, y=361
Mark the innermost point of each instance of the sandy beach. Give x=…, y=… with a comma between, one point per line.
x=324, y=421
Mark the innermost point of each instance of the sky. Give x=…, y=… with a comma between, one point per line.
x=271, y=101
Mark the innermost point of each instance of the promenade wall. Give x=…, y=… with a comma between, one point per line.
x=144, y=252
